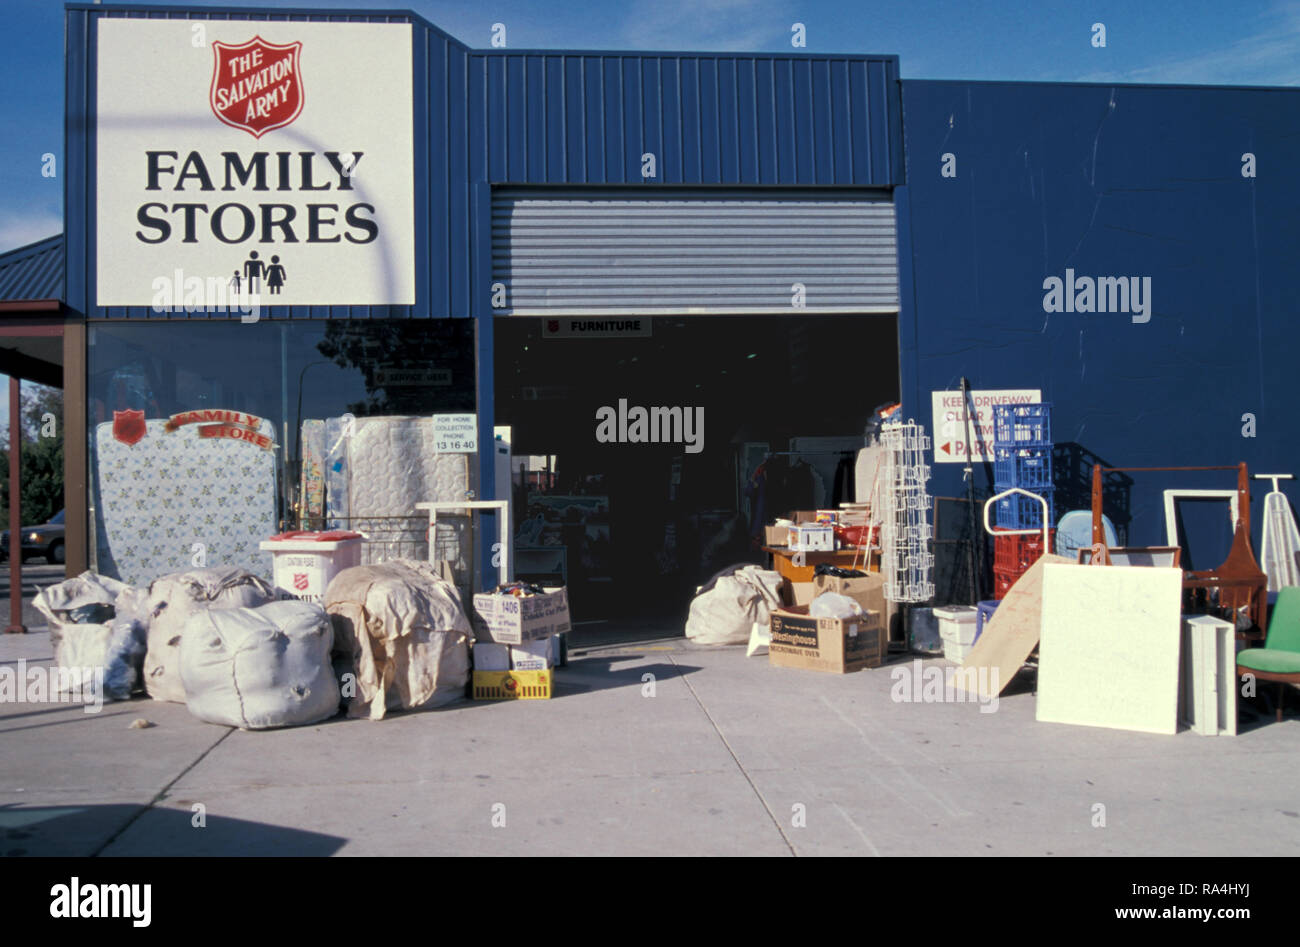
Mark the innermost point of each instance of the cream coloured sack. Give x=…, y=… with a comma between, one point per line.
x=402, y=632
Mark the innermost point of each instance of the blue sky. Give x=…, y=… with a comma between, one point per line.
x=1200, y=42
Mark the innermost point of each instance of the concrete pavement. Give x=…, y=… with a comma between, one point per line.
x=657, y=748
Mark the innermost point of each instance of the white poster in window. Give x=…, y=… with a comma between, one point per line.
x=455, y=433
x=254, y=158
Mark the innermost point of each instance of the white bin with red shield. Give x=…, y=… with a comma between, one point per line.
x=304, y=561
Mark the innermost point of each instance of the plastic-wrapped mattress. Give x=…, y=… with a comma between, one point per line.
x=377, y=469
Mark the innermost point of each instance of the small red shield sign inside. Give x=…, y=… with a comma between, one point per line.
x=256, y=86
x=300, y=581
x=128, y=426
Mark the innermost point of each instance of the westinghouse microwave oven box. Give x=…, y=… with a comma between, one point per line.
x=837, y=645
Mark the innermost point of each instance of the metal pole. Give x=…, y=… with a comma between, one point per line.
x=16, y=626
x=968, y=475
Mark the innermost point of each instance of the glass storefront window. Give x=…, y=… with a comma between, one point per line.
x=166, y=399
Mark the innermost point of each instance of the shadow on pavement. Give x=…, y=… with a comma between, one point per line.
x=44, y=831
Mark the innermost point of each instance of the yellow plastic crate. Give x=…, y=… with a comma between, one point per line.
x=513, y=685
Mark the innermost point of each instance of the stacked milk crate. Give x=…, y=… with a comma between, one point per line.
x=907, y=563
x=1022, y=458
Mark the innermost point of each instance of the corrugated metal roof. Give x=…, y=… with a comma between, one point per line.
x=33, y=272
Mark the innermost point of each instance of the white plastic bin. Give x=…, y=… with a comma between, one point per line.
x=304, y=561
x=957, y=623
x=957, y=629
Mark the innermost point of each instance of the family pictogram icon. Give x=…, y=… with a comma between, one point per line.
x=255, y=271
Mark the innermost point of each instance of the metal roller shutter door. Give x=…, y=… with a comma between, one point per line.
x=693, y=251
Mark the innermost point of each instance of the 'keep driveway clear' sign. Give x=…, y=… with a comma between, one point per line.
x=955, y=421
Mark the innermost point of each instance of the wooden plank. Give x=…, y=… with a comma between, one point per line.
x=1010, y=635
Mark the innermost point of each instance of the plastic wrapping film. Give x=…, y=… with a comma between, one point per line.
x=172, y=492
x=376, y=470
x=312, y=482
x=114, y=643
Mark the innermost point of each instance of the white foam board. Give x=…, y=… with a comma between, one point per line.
x=1109, y=652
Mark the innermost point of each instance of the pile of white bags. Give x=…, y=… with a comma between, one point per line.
x=93, y=625
x=402, y=632
x=727, y=607
x=173, y=600
x=263, y=667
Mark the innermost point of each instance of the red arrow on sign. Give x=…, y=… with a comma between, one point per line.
x=945, y=448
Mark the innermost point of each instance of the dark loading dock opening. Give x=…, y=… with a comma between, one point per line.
x=643, y=524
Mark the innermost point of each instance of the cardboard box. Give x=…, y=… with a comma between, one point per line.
x=491, y=657
x=837, y=645
x=513, y=685
x=810, y=537
x=868, y=590
x=776, y=535
x=505, y=619
x=802, y=516
x=797, y=593
x=533, y=655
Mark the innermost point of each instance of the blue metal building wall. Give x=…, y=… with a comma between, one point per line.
x=1111, y=181
x=587, y=118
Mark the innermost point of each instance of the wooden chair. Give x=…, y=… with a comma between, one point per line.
x=1279, y=659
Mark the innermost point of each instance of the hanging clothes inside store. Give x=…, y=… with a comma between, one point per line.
x=780, y=484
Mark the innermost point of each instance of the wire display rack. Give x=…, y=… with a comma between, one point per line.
x=907, y=563
x=385, y=538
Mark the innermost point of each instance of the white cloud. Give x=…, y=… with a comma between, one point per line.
x=1269, y=56
x=20, y=229
x=707, y=25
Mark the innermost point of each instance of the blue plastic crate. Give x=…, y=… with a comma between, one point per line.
x=983, y=612
x=1023, y=425
x=1021, y=512
x=1026, y=467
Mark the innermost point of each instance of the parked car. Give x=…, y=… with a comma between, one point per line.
x=44, y=540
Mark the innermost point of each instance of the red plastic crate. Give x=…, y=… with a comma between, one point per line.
x=1002, y=582
x=1016, y=553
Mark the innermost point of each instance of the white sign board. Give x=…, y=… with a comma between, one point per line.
x=952, y=428
x=590, y=327
x=239, y=157
x=1108, y=656
x=455, y=433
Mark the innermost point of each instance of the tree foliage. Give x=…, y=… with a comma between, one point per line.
x=42, y=456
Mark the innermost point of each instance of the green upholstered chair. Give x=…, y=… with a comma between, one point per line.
x=1279, y=659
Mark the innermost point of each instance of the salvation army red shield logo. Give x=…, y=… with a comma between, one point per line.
x=300, y=581
x=128, y=426
x=256, y=86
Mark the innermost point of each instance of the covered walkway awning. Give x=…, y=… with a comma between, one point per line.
x=32, y=348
